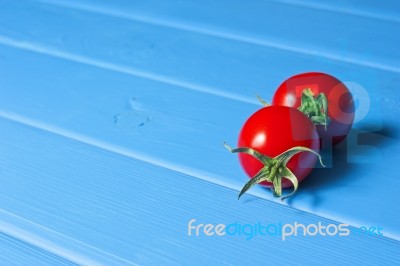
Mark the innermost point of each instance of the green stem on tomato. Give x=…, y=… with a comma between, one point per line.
x=274, y=169
x=316, y=108
x=262, y=101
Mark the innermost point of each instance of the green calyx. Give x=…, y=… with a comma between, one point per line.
x=316, y=108
x=274, y=169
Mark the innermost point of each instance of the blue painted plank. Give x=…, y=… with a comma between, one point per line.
x=16, y=252
x=169, y=126
x=80, y=201
x=314, y=32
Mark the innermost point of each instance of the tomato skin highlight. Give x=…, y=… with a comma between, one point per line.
x=341, y=107
x=273, y=130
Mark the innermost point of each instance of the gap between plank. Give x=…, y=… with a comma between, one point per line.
x=219, y=34
x=341, y=10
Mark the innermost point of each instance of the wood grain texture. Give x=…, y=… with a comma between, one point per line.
x=16, y=252
x=139, y=212
x=113, y=117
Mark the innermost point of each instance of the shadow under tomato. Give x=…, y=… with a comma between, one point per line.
x=360, y=148
x=378, y=138
x=324, y=177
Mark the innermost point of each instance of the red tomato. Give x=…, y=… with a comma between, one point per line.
x=340, y=102
x=273, y=130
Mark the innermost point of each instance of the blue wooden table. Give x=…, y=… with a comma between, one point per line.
x=113, y=114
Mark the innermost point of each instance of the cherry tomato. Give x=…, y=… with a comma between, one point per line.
x=340, y=103
x=274, y=130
